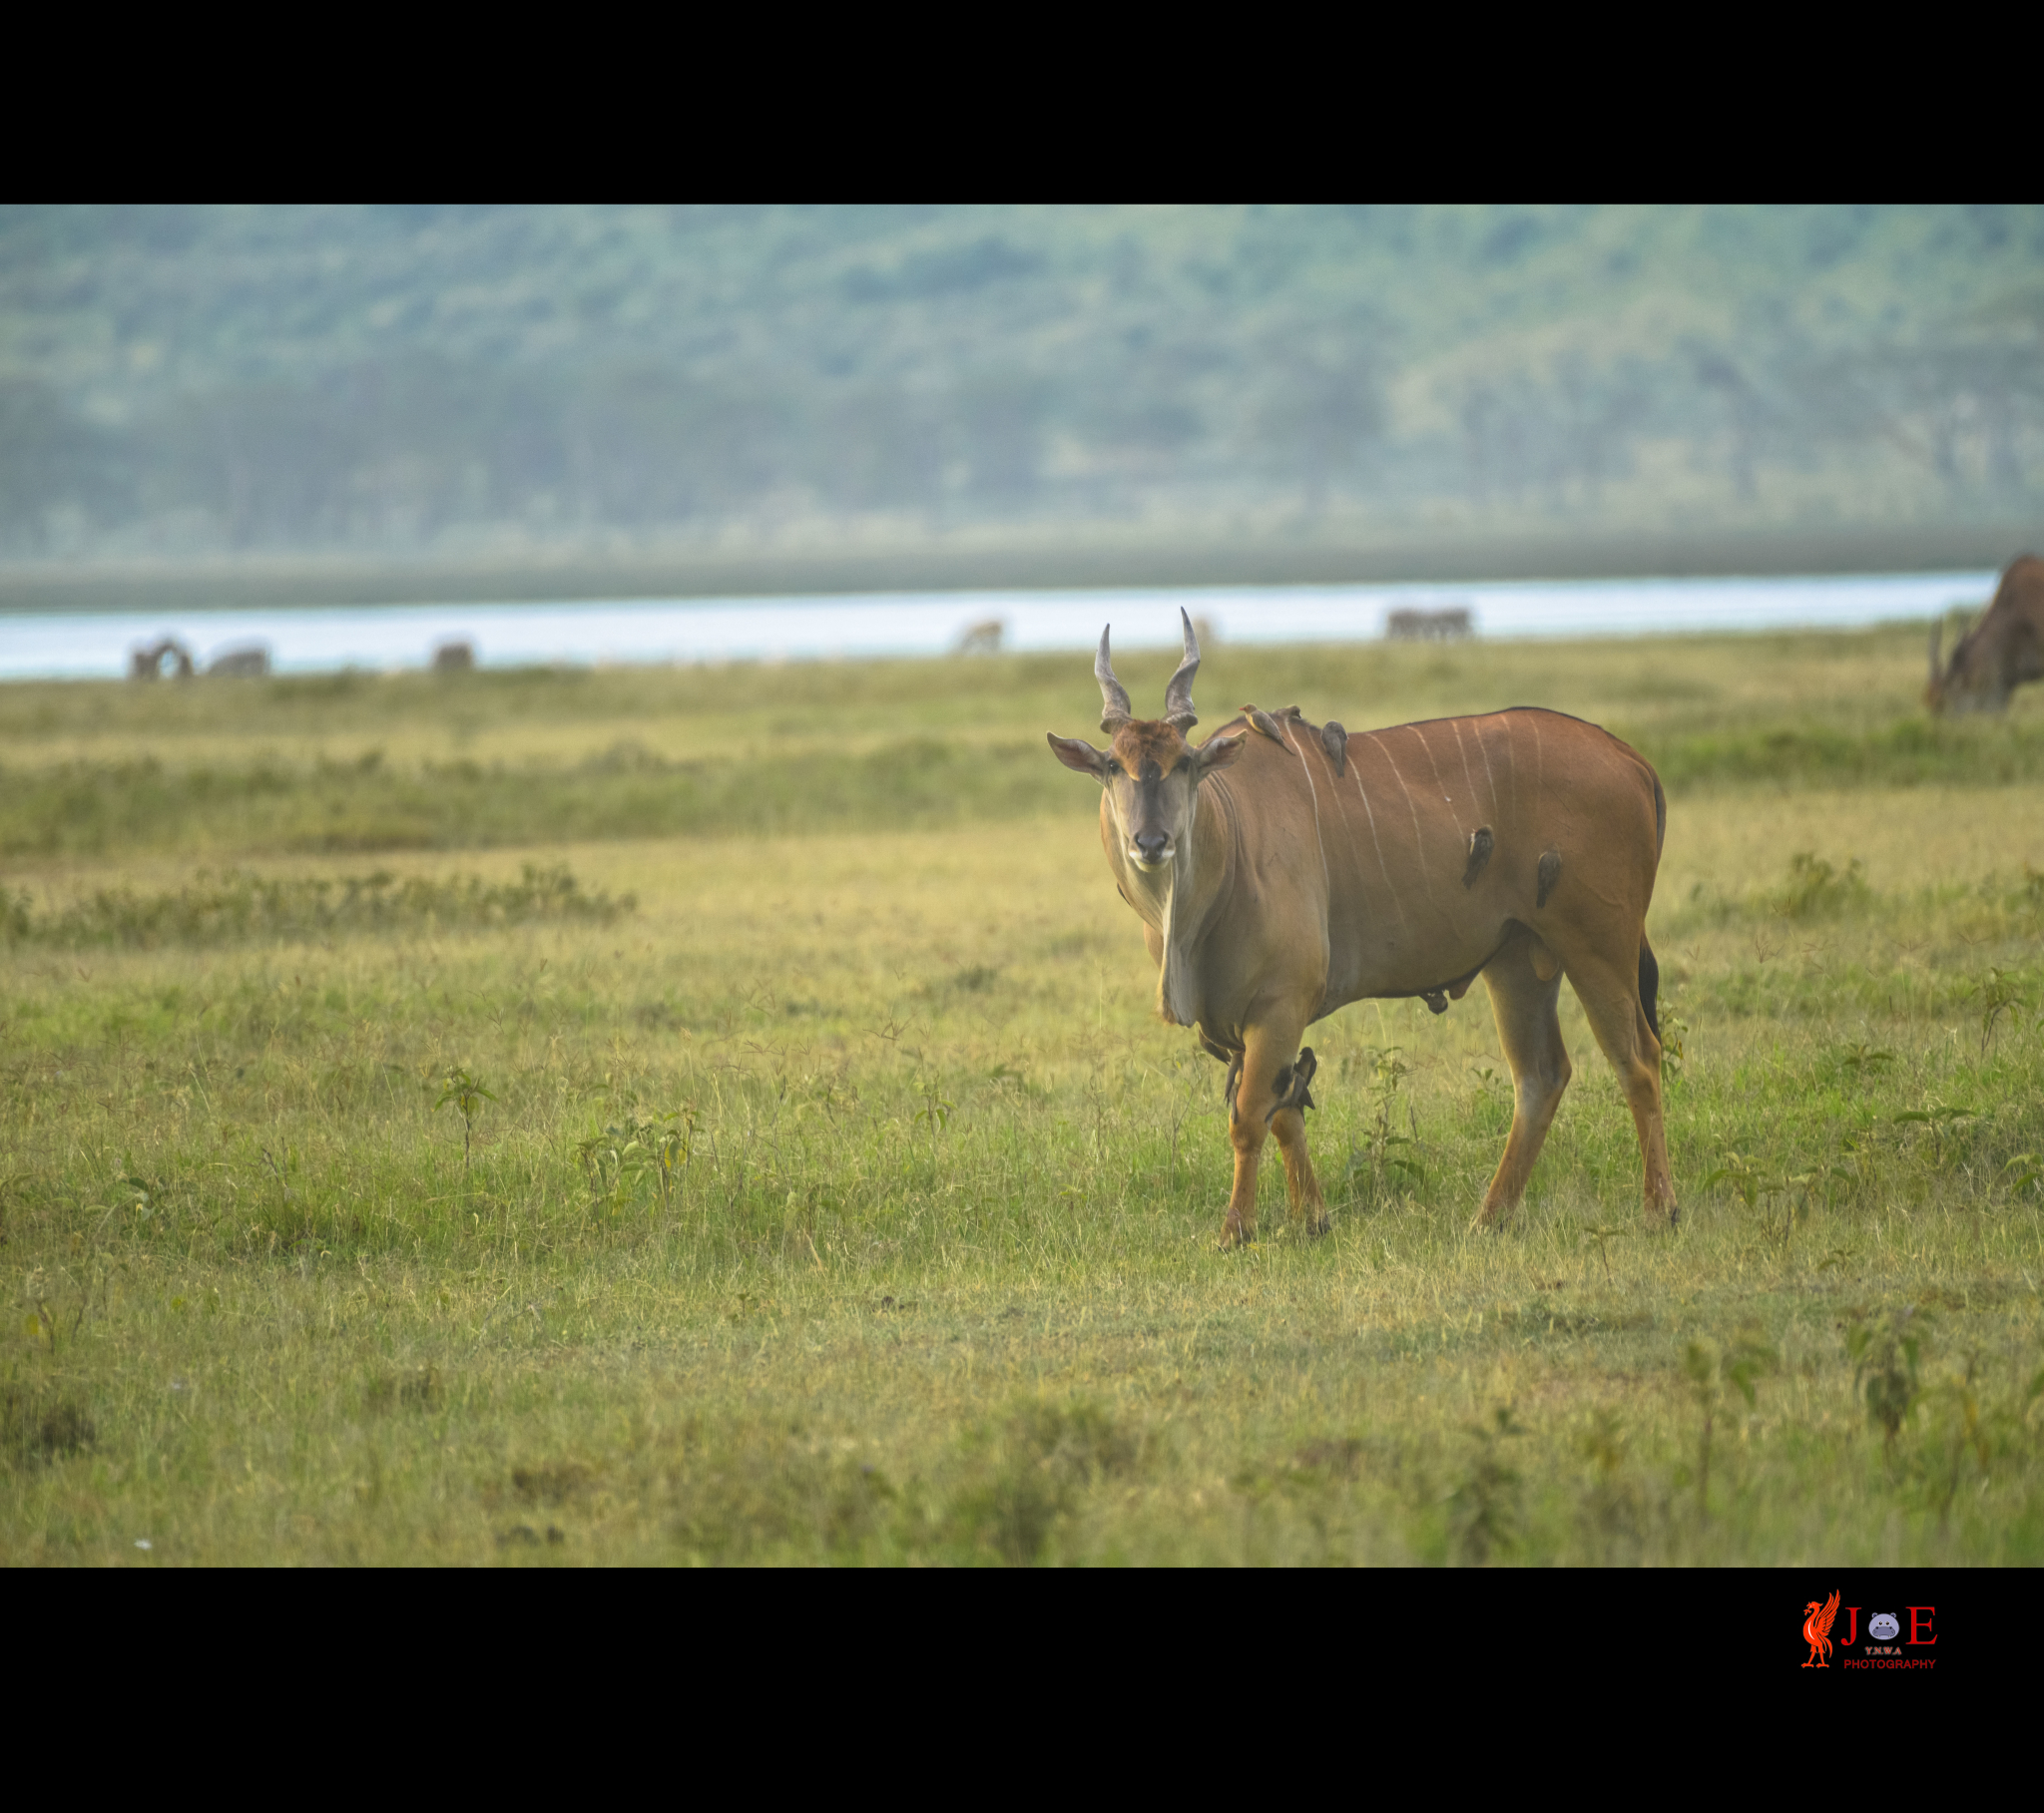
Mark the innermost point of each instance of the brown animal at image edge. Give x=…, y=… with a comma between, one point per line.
x=1283, y=871
x=1999, y=653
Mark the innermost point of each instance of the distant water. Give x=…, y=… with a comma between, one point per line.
x=89, y=645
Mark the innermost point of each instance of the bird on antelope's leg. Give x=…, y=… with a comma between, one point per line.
x=1518, y=845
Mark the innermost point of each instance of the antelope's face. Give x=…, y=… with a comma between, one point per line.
x=1150, y=774
x=1962, y=690
x=1149, y=769
x=1969, y=684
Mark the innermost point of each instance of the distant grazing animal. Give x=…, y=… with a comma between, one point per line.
x=982, y=638
x=454, y=657
x=252, y=662
x=1283, y=870
x=2000, y=652
x=147, y=662
x=1449, y=625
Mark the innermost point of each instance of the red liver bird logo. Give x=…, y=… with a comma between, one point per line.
x=1817, y=1630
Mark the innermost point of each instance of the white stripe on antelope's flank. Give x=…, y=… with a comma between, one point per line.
x=1418, y=836
x=1312, y=792
x=1344, y=987
x=1468, y=780
x=1377, y=843
x=1483, y=743
x=1440, y=781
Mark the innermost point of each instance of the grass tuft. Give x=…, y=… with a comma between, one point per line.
x=236, y=907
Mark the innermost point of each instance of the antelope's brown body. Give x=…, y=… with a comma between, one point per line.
x=1309, y=867
x=1999, y=653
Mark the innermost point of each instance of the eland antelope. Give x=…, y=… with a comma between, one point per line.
x=2000, y=652
x=1282, y=871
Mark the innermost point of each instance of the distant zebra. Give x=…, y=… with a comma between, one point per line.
x=1450, y=626
x=147, y=662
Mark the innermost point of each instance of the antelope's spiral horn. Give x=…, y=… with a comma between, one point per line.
x=1178, y=696
x=1113, y=696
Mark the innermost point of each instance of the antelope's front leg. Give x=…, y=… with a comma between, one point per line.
x=1266, y=1050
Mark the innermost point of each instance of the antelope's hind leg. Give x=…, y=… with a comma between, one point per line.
x=1530, y=1031
x=1610, y=993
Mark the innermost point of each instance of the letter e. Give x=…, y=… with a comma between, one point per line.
x=1923, y=1623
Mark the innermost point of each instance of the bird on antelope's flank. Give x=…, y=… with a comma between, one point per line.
x=1817, y=1630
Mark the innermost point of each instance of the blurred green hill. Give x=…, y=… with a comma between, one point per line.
x=379, y=401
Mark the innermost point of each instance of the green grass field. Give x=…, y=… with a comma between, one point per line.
x=827, y=1192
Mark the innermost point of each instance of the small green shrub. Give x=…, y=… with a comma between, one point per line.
x=1024, y=1472
x=1816, y=890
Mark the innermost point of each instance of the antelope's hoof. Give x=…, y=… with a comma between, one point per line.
x=1322, y=1223
x=1233, y=1235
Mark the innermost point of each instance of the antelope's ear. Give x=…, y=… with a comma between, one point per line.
x=1216, y=752
x=1080, y=757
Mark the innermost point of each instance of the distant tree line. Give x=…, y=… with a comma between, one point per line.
x=399, y=453
x=186, y=381
x=404, y=450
